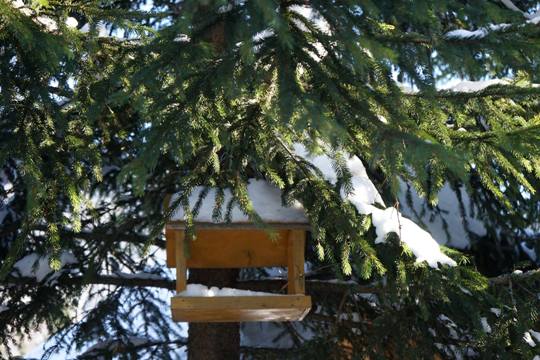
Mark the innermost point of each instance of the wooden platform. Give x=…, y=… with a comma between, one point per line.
x=240, y=308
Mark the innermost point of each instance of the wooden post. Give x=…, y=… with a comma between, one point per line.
x=181, y=271
x=214, y=341
x=295, y=256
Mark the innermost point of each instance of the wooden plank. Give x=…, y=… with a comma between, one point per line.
x=178, y=224
x=226, y=315
x=181, y=269
x=227, y=248
x=295, y=262
x=240, y=308
x=170, y=247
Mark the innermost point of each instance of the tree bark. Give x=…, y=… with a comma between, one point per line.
x=214, y=341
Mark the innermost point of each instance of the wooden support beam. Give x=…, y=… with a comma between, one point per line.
x=295, y=264
x=170, y=246
x=181, y=269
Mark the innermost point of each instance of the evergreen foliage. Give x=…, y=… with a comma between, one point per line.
x=99, y=122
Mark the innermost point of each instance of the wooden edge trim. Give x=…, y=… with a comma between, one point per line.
x=242, y=302
x=296, y=243
x=180, y=225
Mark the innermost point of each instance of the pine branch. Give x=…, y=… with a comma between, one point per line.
x=164, y=283
x=333, y=319
x=505, y=279
x=267, y=352
x=311, y=286
x=66, y=280
x=445, y=39
x=325, y=286
x=119, y=346
x=93, y=236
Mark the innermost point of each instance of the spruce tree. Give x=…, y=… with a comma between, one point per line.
x=106, y=107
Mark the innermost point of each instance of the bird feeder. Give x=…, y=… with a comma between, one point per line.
x=239, y=244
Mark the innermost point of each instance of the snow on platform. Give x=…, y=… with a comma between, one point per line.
x=198, y=290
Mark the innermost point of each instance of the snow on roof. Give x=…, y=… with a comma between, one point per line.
x=195, y=290
x=266, y=199
x=36, y=265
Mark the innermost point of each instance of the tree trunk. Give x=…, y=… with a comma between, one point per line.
x=214, y=341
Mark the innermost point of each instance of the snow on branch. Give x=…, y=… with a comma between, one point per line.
x=48, y=23
x=533, y=18
x=509, y=4
x=364, y=195
x=476, y=34
x=475, y=86
x=480, y=33
x=37, y=266
x=480, y=88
